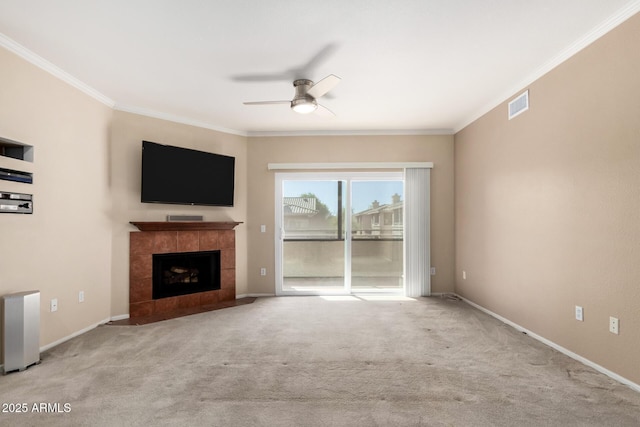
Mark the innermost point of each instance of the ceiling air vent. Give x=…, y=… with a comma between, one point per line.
x=519, y=105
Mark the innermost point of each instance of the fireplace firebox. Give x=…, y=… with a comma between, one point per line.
x=185, y=273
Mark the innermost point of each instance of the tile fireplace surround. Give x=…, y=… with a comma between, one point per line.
x=173, y=237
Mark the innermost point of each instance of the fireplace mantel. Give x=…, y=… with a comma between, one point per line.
x=184, y=225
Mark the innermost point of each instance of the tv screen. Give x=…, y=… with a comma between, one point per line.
x=186, y=177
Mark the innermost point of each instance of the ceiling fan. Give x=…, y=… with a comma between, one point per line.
x=306, y=95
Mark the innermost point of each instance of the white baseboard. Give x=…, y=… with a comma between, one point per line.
x=254, y=295
x=73, y=335
x=557, y=347
x=119, y=317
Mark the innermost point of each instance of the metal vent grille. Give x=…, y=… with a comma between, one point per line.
x=185, y=217
x=519, y=105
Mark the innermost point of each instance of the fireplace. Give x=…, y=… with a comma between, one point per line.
x=157, y=239
x=185, y=273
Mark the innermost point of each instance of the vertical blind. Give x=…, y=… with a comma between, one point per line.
x=417, y=232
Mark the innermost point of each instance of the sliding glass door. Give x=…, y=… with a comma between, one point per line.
x=339, y=233
x=312, y=236
x=377, y=235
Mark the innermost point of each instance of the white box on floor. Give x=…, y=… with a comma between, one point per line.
x=21, y=330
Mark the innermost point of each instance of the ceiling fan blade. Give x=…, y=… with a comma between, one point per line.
x=300, y=72
x=324, y=86
x=266, y=102
x=324, y=111
x=275, y=77
x=308, y=69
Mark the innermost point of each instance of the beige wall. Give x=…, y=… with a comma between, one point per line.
x=65, y=246
x=548, y=205
x=128, y=132
x=424, y=148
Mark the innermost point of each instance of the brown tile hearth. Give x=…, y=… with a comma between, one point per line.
x=166, y=305
x=188, y=301
x=186, y=238
x=143, y=320
x=141, y=309
x=209, y=297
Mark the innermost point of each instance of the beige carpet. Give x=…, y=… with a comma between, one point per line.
x=309, y=361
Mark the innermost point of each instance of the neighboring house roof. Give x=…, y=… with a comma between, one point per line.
x=299, y=205
x=379, y=209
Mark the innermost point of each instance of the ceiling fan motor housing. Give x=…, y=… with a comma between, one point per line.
x=303, y=102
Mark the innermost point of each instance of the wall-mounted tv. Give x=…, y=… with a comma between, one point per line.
x=187, y=177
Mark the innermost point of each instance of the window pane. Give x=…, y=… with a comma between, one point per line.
x=311, y=210
x=313, y=246
x=377, y=247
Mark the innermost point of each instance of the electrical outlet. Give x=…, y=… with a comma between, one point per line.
x=579, y=313
x=464, y=275
x=81, y=296
x=263, y=271
x=614, y=325
x=263, y=228
x=433, y=271
x=54, y=305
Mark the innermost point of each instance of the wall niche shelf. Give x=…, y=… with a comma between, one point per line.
x=16, y=150
x=16, y=176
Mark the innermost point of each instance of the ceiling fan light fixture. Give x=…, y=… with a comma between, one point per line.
x=304, y=106
x=304, y=101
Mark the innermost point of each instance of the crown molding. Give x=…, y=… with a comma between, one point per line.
x=373, y=132
x=349, y=165
x=255, y=134
x=177, y=119
x=47, y=66
x=598, y=31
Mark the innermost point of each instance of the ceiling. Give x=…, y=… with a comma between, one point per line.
x=407, y=66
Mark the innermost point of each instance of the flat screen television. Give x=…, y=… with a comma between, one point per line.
x=187, y=177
